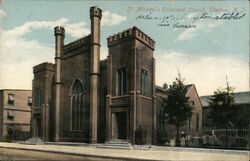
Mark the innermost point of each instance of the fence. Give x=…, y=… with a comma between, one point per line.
x=226, y=138
x=209, y=138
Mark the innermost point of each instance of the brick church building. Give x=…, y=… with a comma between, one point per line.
x=81, y=98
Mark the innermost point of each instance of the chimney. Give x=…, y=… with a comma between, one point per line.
x=59, y=43
x=95, y=17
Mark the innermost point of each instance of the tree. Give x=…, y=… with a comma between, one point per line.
x=221, y=104
x=176, y=106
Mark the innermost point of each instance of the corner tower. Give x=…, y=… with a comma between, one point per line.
x=95, y=17
x=130, y=107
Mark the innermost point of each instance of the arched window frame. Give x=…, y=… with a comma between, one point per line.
x=78, y=106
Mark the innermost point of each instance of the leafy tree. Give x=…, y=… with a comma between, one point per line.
x=176, y=106
x=221, y=104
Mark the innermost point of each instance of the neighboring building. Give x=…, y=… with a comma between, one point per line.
x=241, y=105
x=193, y=126
x=83, y=99
x=15, y=113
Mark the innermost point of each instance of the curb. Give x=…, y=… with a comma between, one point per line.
x=80, y=154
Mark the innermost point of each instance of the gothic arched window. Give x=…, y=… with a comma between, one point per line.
x=78, y=106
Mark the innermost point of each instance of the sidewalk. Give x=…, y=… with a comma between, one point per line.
x=138, y=153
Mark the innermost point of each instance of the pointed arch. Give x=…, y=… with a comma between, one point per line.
x=78, y=106
x=72, y=85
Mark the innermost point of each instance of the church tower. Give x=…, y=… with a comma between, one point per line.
x=130, y=108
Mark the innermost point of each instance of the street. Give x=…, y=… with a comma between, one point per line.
x=15, y=151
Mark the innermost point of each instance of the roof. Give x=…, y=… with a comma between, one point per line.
x=164, y=90
x=239, y=98
x=160, y=88
x=189, y=86
x=15, y=90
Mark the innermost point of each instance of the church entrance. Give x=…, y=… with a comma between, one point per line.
x=37, y=126
x=119, y=125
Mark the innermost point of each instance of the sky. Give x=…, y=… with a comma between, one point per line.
x=203, y=50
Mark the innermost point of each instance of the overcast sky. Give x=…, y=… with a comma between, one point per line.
x=204, y=54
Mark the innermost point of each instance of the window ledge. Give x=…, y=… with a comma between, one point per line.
x=77, y=131
x=146, y=97
x=122, y=96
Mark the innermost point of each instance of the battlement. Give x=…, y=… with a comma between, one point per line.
x=59, y=30
x=131, y=33
x=95, y=11
x=43, y=66
x=75, y=44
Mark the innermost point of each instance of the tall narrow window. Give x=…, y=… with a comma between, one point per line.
x=189, y=123
x=11, y=99
x=78, y=106
x=144, y=82
x=29, y=101
x=197, y=122
x=104, y=94
x=121, y=81
x=162, y=119
x=39, y=97
x=10, y=115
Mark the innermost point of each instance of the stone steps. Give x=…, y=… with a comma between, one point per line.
x=116, y=144
x=32, y=141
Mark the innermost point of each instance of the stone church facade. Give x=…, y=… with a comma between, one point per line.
x=81, y=98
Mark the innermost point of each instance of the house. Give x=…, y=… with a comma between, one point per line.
x=15, y=114
x=241, y=109
x=193, y=127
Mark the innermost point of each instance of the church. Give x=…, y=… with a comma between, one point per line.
x=80, y=98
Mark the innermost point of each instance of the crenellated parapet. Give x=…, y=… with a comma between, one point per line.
x=128, y=34
x=95, y=11
x=59, y=30
x=43, y=66
x=78, y=43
